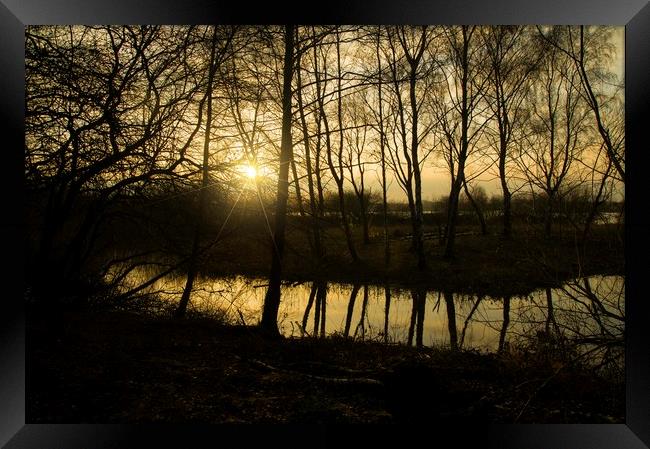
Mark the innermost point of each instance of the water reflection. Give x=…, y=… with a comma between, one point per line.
x=451, y=319
x=506, y=322
x=588, y=310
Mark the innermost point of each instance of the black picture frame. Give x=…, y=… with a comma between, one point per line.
x=15, y=14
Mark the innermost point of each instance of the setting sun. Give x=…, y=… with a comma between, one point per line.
x=250, y=171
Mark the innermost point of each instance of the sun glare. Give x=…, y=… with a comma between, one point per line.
x=250, y=171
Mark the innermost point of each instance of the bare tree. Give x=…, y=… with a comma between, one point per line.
x=408, y=66
x=462, y=118
x=451, y=319
x=335, y=159
x=357, y=119
x=214, y=61
x=315, y=203
x=351, y=301
x=382, y=147
x=362, y=319
x=591, y=52
x=512, y=57
x=269, y=321
x=588, y=50
x=387, y=299
x=108, y=130
x=556, y=137
x=416, y=327
x=506, y=322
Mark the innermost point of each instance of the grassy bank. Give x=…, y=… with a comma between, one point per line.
x=118, y=367
x=482, y=264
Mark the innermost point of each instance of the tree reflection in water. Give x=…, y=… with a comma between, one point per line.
x=586, y=315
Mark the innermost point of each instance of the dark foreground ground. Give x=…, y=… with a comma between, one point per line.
x=122, y=368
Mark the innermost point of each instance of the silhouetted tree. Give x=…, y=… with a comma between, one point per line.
x=460, y=114
x=588, y=49
x=348, y=318
x=477, y=208
x=387, y=299
x=451, y=319
x=416, y=326
x=310, y=302
x=103, y=109
x=407, y=65
x=512, y=57
x=506, y=322
x=269, y=321
x=468, y=319
x=382, y=147
x=215, y=60
x=356, y=137
x=362, y=319
x=315, y=204
x=557, y=132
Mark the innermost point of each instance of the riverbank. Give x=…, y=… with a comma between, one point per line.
x=118, y=367
x=482, y=264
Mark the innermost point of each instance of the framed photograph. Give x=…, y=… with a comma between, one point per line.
x=414, y=215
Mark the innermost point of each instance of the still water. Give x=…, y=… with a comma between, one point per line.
x=590, y=310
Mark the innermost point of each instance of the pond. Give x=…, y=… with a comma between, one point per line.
x=590, y=311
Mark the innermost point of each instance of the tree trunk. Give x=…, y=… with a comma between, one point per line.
x=49, y=270
x=507, y=196
x=340, y=179
x=414, y=315
x=301, y=209
x=337, y=175
x=550, y=316
x=593, y=103
x=345, y=221
x=411, y=205
x=416, y=326
x=81, y=243
x=451, y=320
x=382, y=147
x=348, y=318
x=452, y=217
x=310, y=303
x=49, y=228
x=318, y=246
x=419, y=332
x=322, y=294
x=468, y=319
x=364, y=217
x=296, y=183
x=362, y=319
x=464, y=145
x=506, y=323
x=418, y=219
x=317, y=308
x=598, y=201
x=477, y=209
x=269, y=322
x=198, y=228
x=548, y=217
x=386, y=312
